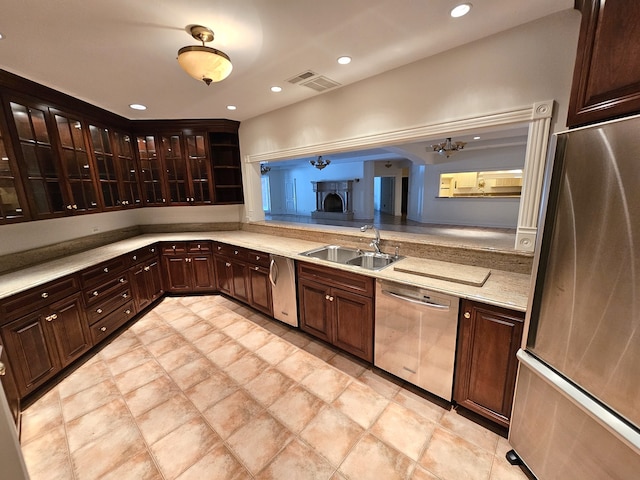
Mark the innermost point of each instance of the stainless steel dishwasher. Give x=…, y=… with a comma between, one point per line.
x=282, y=275
x=415, y=335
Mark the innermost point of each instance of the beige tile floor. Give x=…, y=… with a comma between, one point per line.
x=205, y=388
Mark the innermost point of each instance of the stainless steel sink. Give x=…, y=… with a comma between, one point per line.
x=373, y=261
x=352, y=256
x=333, y=253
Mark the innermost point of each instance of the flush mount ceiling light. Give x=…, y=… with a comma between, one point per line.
x=448, y=148
x=320, y=163
x=460, y=10
x=137, y=106
x=204, y=63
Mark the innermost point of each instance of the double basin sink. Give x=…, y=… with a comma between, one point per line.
x=352, y=256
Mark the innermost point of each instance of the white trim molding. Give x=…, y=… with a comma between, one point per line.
x=538, y=116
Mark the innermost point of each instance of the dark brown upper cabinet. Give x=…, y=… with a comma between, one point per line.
x=606, y=78
x=151, y=172
x=41, y=171
x=13, y=202
x=116, y=168
x=78, y=168
x=61, y=156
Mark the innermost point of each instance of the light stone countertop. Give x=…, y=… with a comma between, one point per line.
x=504, y=289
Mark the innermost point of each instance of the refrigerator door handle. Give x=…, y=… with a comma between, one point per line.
x=595, y=410
x=273, y=272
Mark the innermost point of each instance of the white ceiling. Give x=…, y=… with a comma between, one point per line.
x=115, y=52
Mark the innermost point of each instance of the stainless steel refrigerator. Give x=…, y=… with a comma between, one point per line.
x=576, y=410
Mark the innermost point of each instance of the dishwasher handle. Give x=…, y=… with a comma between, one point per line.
x=424, y=303
x=273, y=272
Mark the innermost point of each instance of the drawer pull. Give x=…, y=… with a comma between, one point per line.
x=256, y=268
x=122, y=280
x=99, y=310
x=219, y=247
x=153, y=250
x=105, y=270
x=467, y=315
x=51, y=317
x=135, y=257
x=147, y=268
x=331, y=299
x=103, y=329
x=326, y=297
x=199, y=247
x=125, y=295
x=257, y=257
x=44, y=295
x=127, y=311
x=227, y=264
x=95, y=294
x=235, y=252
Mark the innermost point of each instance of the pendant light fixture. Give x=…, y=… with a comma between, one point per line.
x=204, y=63
x=448, y=148
x=320, y=163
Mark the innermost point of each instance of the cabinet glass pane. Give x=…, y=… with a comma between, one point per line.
x=128, y=169
x=175, y=167
x=105, y=165
x=10, y=206
x=37, y=154
x=150, y=170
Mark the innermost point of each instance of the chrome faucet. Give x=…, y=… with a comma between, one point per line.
x=375, y=243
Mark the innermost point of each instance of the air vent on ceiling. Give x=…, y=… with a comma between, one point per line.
x=320, y=83
x=302, y=76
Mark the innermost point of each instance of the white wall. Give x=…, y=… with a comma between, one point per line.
x=514, y=68
x=486, y=212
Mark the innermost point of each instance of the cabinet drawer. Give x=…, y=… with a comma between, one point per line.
x=101, y=272
x=142, y=254
x=258, y=258
x=30, y=300
x=199, y=247
x=103, y=308
x=174, y=248
x=111, y=322
x=101, y=292
x=231, y=251
x=333, y=277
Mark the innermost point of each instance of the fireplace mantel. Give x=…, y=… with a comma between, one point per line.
x=333, y=200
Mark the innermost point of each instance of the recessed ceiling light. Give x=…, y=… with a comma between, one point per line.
x=276, y=89
x=137, y=106
x=344, y=60
x=1, y=36
x=231, y=107
x=476, y=138
x=460, y=10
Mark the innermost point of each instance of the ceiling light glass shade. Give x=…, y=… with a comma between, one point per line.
x=205, y=63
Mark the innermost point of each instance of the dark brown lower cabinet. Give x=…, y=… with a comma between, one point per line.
x=188, y=267
x=486, y=364
x=42, y=342
x=337, y=307
x=260, y=289
x=9, y=386
x=146, y=279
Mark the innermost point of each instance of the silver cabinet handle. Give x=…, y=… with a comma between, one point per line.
x=235, y=252
x=103, y=329
x=199, y=247
x=467, y=315
x=95, y=294
x=257, y=257
x=99, y=310
x=153, y=250
x=125, y=295
x=135, y=257
x=122, y=280
x=105, y=270
x=44, y=294
x=75, y=207
x=127, y=311
x=326, y=297
x=69, y=207
x=273, y=272
x=331, y=299
x=227, y=264
x=147, y=268
x=256, y=268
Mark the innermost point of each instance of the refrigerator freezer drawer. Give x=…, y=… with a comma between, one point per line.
x=559, y=432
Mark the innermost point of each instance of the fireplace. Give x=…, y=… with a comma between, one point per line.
x=333, y=200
